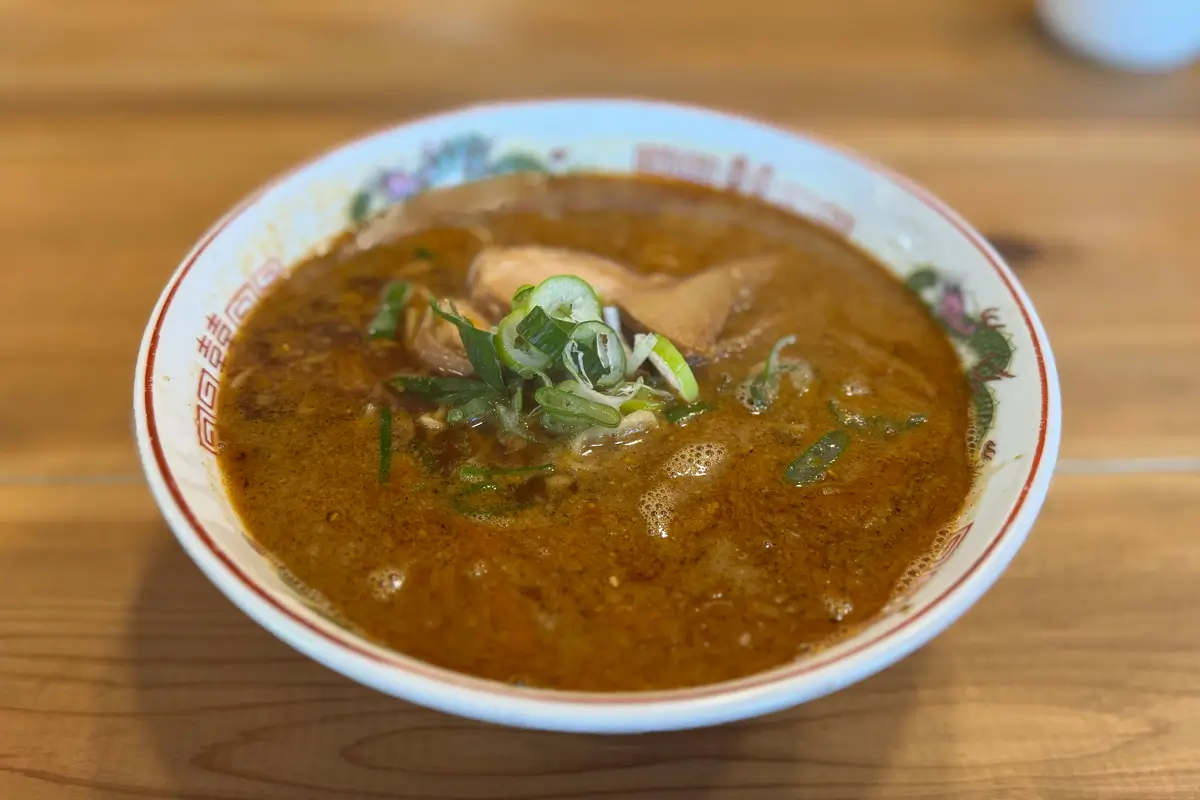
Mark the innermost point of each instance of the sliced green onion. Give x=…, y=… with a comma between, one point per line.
x=681, y=415
x=636, y=395
x=874, y=424
x=517, y=352
x=511, y=422
x=570, y=407
x=385, y=443
x=580, y=389
x=443, y=391
x=765, y=386
x=518, y=395
x=530, y=374
x=423, y=253
x=472, y=412
x=598, y=355
x=612, y=318
x=473, y=474
x=521, y=296
x=563, y=425
x=671, y=364
x=546, y=334
x=392, y=301
x=643, y=345
x=572, y=361
x=480, y=346
x=814, y=462
x=644, y=399
x=568, y=298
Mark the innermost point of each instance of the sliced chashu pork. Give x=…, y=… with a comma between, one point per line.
x=452, y=204
x=437, y=342
x=498, y=272
x=693, y=312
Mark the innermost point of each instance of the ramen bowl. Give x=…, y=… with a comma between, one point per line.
x=961, y=279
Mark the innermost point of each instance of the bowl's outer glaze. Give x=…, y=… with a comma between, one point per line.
x=963, y=280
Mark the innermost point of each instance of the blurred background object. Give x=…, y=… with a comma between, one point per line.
x=1140, y=35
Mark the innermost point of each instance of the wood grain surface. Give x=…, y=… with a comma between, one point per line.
x=127, y=127
x=1076, y=676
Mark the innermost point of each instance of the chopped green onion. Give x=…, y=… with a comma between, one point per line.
x=472, y=412
x=564, y=425
x=671, y=364
x=473, y=474
x=580, y=389
x=480, y=346
x=521, y=296
x=681, y=415
x=765, y=386
x=636, y=393
x=516, y=351
x=643, y=346
x=595, y=351
x=543, y=332
x=874, y=424
x=392, y=301
x=530, y=374
x=612, y=318
x=443, y=391
x=814, y=462
x=568, y=298
x=570, y=407
x=385, y=443
x=518, y=395
x=510, y=420
x=423, y=253
x=644, y=399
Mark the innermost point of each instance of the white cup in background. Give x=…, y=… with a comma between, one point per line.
x=1140, y=35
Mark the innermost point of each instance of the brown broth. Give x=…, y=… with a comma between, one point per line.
x=575, y=592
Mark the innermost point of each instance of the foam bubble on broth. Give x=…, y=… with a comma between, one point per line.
x=696, y=460
x=385, y=582
x=838, y=607
x=657, y=507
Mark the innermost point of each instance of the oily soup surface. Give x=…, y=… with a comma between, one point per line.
x=631, y=567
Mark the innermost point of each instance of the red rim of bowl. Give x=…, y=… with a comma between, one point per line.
x=779, y=675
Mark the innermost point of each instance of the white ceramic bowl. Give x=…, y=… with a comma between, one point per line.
x=962, y=278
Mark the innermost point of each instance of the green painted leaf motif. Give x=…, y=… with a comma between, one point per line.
x=983, y=402
x=517, y=162
x=993, y=349
x=360, y=207
x=924, y=278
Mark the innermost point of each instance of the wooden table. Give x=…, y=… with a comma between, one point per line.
x=127, y=126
